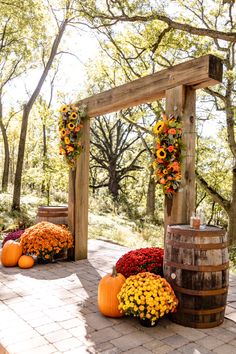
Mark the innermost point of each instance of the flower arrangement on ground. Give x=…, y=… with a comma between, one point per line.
x=70, y=129
x=147, y=296
x=168, y=153
x=148, y=259
x=45, y=240
x=13, y=235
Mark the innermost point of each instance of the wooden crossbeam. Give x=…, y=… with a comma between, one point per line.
x=197, y=73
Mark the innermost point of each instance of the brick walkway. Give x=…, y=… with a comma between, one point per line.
x=53, y=309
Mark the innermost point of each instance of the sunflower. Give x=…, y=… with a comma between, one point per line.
x=165, y=171
x=70, y=126
x=64, y=109
x=67, y=140
x=161, y=154
x=62, y=132
x=158, y=127
x=73, y=115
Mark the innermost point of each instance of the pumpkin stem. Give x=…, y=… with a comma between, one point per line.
x=114, y=272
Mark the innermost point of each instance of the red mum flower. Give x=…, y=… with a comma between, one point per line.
x=141, y=260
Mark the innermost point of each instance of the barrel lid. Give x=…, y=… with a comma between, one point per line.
x=53, y=207
x=190, y=230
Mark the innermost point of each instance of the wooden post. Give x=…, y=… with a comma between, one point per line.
x=71, y=210
x=78, y=198
x=181, y=101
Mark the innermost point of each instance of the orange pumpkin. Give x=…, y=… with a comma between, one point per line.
x=26, y=262
x=11, y=253
x=108, y=289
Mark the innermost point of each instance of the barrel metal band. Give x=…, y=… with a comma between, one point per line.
x=199, y=325
x=46, y=214
x=206, y=325
x=200, y=292
x=203, y=268
x=203, y=312
x=202, y=246
x=194, y=232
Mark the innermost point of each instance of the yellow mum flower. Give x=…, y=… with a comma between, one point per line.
x=140, y=296
x=158, y=127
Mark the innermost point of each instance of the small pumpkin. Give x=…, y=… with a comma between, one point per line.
x=11, y=253
x=26, y=262
x=108, y=289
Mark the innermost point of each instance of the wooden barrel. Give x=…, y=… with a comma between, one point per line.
x=196, y=265
x=53, y=214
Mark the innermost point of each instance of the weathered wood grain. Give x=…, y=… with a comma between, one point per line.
x=81, y=196
x=197, y=73
x=71, y=209
x=181, y=101
x=196, y=266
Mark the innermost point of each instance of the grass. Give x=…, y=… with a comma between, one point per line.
x=105, y=222
x=121, y=230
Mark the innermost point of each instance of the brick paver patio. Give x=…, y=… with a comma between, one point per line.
x=53, y=309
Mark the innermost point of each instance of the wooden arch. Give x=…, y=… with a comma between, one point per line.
x=178, y=84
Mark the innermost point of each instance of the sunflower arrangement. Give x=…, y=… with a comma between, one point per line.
x=168, y=153
x=70, y=129
x=45, y=240
x=147, y=296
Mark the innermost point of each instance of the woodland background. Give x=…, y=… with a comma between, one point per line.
x=132, y=38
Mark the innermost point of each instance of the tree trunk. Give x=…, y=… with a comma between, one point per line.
x=232, y=214
x=20, y=160
x=232, y=228
x=26, y=113
x=43, y=187
x=113, y=186
x=5, y=176
x=151, y=200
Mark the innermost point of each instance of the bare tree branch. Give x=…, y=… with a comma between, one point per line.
x=113, y=19
x=224, y=203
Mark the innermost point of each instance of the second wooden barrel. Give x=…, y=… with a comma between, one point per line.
x=53, y=214
x=196, y=265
